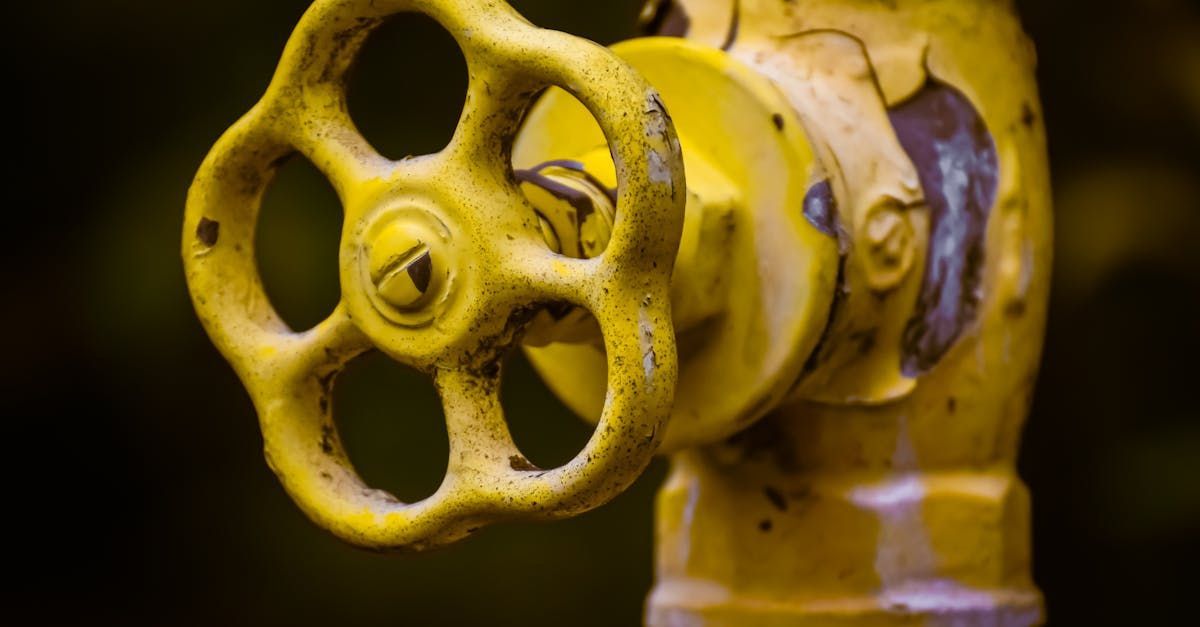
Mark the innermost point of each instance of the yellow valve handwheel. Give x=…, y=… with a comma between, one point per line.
x=441, y=262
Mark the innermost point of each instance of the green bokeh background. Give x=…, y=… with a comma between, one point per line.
x=137, y=492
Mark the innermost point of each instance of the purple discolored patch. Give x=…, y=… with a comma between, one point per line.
x=665, y=18
x=583, y=204
x=820, y=208
x=956, y=160
x=821, y=211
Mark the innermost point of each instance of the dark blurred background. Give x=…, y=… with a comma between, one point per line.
x=136, y=490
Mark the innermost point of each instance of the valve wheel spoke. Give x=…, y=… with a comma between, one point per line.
x=546, y=276
x=323, y=349
x=481, y=446
x=331, y=142
x=417, y=234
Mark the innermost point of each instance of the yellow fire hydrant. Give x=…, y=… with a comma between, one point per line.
x=831, y=325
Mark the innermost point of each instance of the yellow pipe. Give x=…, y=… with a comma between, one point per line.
x=865, y=475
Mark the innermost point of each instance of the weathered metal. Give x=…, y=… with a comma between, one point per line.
x=441, y=264
x=871, y=480
x=857, y=288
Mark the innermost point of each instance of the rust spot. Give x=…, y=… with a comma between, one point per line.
x=327, y=438
x=765, y=525
x=208, y=232
x=518, y=462
x=777, y=120
x=326, y=383
x=1028, y=117
x=776, y=498
x=1014, y=309
x=483, y=363
x=952, y=404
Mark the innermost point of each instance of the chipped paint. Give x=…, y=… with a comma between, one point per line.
x=956, y=159
x=443, y=265
x=820, y=208
x=898, y=472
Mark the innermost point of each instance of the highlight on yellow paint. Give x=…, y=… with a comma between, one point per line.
x=834, y=344
x=441, y=264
